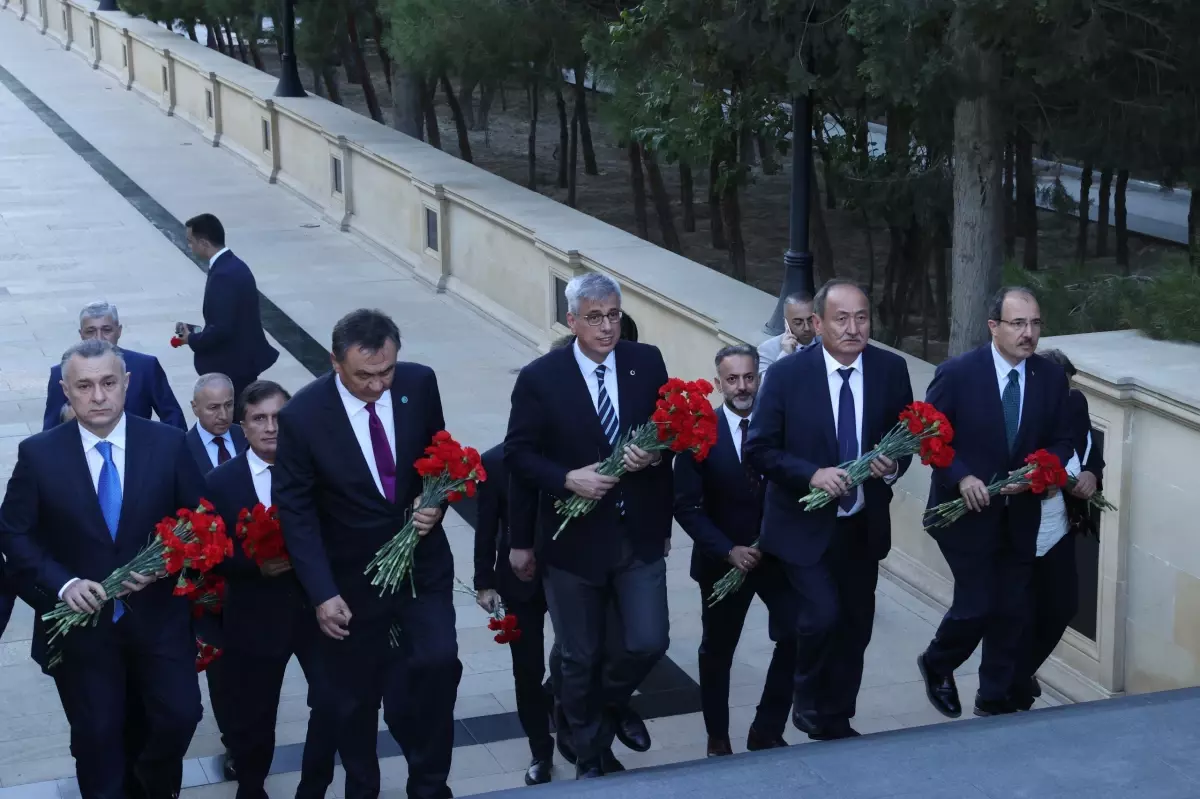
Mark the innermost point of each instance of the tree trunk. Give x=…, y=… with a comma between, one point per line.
x=1010, y=207
x=360, y=64
x=716, y=219
x=316, y=83
x=241, y=45
x=662, y=202
x=585, y=128
x=466, y=98
x=255, y=55
x=380, y=36
x=406, y=102
x=329, y=75
x=637, y=182
x=978, y=215
x=1027, y=212
x=732, y=208
x=1102, y=211
x=573, y=166
x=191, y=32
x=687, y=198
x=349, y=62
x=564, y=138
x=212, y=39
x=535, y=92
x=1121, y=217
x=486, y=95
x=1085, y=205
x=460, y=124
x=429, y=112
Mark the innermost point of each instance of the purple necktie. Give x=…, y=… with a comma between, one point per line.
x=385, y=462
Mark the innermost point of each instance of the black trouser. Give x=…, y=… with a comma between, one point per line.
x=529, y=669
x=8, y=598
x=220, y=690
x=1055, y=601
x=991, y=604
x=239, y=385
x=835, y=613
x=578, y=610
x=722, y=624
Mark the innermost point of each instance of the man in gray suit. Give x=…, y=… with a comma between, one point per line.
x=798, y=332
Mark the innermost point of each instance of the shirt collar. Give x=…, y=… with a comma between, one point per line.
x=257, y=464
x=217, y=255
x=588, y=366
x=832, y=365
x=207, y=437
x=116, y=437
x=1003, y=367
x=735, y=421
x=354, y=404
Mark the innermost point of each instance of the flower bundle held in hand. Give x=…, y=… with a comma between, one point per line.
x=1096, y=500
x=205, y=655
x=922, y=429
x=192, y=540
x=728, y=584
x=683, y=420
x=500, y=621
x=1042, y=471
x=260, y=534
x=208, y=596
x=449, y=471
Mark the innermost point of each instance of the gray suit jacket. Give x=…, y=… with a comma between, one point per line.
x=769, y=351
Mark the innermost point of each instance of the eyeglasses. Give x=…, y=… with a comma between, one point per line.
x=594, y=319
x=1021, y=324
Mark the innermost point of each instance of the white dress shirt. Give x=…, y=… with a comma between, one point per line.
x=735, y=427
x=835, y=398
x=95, y=462
x=360, y=422
x=1003, y=367
x=210, y=444
x=217, y=255
x=1054, y=512
x=588, y=367
x=260, y=473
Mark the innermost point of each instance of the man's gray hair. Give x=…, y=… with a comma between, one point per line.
x=823, y=293
x=591, y=286
x=88, y=349
x=211, y=379
x=99, y=310
x=737, y=349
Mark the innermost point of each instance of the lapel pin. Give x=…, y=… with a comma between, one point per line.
x=404, y=400
x=632, y=373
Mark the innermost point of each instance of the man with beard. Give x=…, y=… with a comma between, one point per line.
x=719, y=503
x=798, y=332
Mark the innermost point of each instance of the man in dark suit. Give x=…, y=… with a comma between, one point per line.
x=149, y=391
x=495, y=583
x=214, y=439
x=719, y=503
x=820, y=408
x=344, y=485
x=266, y=618
x=232, y=340
x=615, y=552
x=1004, y=402
x=65, y=524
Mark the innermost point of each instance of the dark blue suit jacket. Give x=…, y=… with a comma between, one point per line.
x=716, y=503
x=200, y=453
x=148, y=391
x=333, y=517
x=51, y=527
x=492, y=538
x=792, y=435
x=232, y=341
x=552, y=429
x=967, y=391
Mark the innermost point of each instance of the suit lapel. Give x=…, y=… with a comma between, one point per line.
x=627, y=381
x=407, y=429
x=1031, y=404
x=199, y=451
x=578, y=392
x=819, y=380
x=343, y=432
x=873, y=384
x=986, y=370
x=138, y=465
x=75, y=463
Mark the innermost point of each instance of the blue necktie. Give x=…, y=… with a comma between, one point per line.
x=108, y=490
x=608, y=416
x=1011, y=399
x=847, y=434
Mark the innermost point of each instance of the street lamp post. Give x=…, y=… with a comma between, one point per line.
x=289, y=77
x=797, y=261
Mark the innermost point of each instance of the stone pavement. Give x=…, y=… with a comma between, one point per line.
x=93, y=184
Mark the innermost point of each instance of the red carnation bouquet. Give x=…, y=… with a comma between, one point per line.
x=1041, y=472
x=449, y=471
x=205, y=655
x=176, y=342
x=207, y=595
x=683, y=420
x=194, y=540
x=261, y=536
x=500, y=621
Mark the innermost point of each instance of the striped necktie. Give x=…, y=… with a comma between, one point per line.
x=608, y=417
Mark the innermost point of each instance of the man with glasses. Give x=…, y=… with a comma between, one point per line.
x=798, y=331
x=1004, y=402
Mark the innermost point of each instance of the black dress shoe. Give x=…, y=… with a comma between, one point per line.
x=539, y=772
x=631, y=730
x=588, y=771
x=719, y=747
x=942, y=691
x=993, y=707
x=835, y=730
x=807, y=721
x=609, y=763
x=229, y=768
x=756, y=742
x=564, y=747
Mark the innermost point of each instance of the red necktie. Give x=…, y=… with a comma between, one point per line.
x=222, y=452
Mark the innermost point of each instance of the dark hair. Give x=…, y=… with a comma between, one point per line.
x=366, y=329
x=565, y=341
x=798, y=297
x=823, y=293
x=628, y=327
x=260, y=391
x=209, y=228
x=1059, y=357
x=996, y=309
x=737, y=349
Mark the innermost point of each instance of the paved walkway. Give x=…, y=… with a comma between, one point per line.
x=79, y=224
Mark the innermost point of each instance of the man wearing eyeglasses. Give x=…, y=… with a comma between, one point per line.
x=1004, y=402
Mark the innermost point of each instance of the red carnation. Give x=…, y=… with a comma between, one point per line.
x=176, y=342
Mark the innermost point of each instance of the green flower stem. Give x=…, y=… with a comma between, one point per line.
x=1097, y=500
x=898, y=443
x=729, y=584
x=949, y=512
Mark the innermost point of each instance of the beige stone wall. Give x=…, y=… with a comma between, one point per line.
x=503, y=249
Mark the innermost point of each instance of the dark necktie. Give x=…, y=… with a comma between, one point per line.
x=222, y=450
x=751, y=475
x=271, y=483
x=847, y=434
x=1011, y=399
x=385, y=461
x=608, y=417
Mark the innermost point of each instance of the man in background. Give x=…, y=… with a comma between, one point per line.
x=214, y=439
x=798, y=331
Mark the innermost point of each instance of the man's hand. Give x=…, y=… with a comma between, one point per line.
x=588, y=483
x=488, y=599
x=974, y=493
x=333, y=616
x=1085, y=485
x=84, y=596
x=882, y=466
x=637, y=459
x=744, y=559
x=523, y=564
x=135, y=583
x=788, y=344
x=1015, y=488
x=275, y=567
x=832, y=480
x=425, y=519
